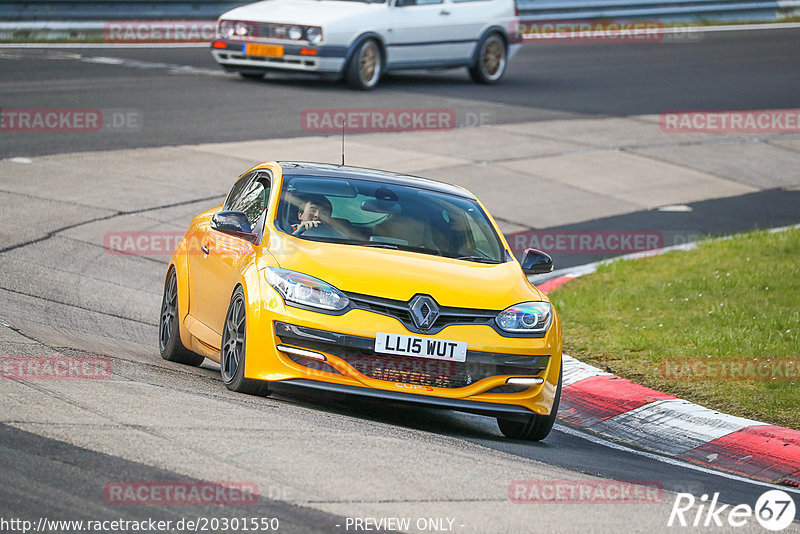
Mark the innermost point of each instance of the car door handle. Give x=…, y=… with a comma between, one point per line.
x=444, y=12
x=205, y=249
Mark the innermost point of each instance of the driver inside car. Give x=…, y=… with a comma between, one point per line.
x=314, y=210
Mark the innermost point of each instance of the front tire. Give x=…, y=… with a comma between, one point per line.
x=365, y=67
x=233, y=350
x=490, y=63
x=537, y=427
x=169, y=335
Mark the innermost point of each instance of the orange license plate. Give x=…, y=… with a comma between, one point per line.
x=263, y=50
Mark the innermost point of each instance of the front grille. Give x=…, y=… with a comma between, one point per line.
x=399, y=309
x=267, y=30
x=358, y=353
x=421, y=371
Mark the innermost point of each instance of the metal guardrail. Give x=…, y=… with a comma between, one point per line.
x=50, y=10
x=674, y=10
x=678, y=10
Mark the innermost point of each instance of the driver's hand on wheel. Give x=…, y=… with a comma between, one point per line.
x=306, y=225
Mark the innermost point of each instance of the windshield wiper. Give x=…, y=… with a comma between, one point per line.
x=375, y=245
x=478, y=259
x=392, y=246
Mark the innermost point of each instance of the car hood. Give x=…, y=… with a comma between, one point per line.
x=307, y=12
x=400, y=275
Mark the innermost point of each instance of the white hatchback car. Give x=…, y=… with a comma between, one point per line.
x=363, y=39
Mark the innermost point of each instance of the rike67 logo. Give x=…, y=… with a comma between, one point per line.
x=774, y=510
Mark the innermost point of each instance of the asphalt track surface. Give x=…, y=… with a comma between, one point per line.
x=184, y=98
x=52, y=465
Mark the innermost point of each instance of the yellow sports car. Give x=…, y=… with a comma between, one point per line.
x=365, y=282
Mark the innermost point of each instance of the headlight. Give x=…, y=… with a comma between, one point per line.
x=226, y=28
x=314, y=35
x=526, y=318
x=295, y=33
x=302, y=289
x=242, y=29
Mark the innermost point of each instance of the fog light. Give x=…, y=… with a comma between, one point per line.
x=301, y=352
x=525, y=381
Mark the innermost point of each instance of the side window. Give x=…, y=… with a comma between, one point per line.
x=236, y=191
x=252, y=198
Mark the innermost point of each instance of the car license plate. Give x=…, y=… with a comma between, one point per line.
x=421, y=347
x=263, y=50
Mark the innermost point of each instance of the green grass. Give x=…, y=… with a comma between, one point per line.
x=728, y=299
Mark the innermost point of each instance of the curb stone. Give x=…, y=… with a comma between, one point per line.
x=626, y=412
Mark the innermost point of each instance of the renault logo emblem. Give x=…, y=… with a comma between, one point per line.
x=424, y=311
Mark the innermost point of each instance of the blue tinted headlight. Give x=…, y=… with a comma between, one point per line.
x=526, y=318
x=302, y=289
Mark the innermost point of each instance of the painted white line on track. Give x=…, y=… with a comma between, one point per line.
x=670, y=461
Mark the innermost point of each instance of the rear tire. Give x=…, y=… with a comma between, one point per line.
x=169, y=335
x=233, y=350
x=491, y=61
x=365, y=67
x=537, y=427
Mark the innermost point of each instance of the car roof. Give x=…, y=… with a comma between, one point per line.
x=326, y=170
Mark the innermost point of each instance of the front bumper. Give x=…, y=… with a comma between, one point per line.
x=347, y=341
x=506, y=411
x=325, y=59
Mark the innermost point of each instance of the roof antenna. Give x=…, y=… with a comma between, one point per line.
x=342, y=143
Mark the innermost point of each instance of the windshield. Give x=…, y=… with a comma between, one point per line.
x=374, y=214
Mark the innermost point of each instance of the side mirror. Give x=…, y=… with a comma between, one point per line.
x=233, y=223
x=536, y=262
